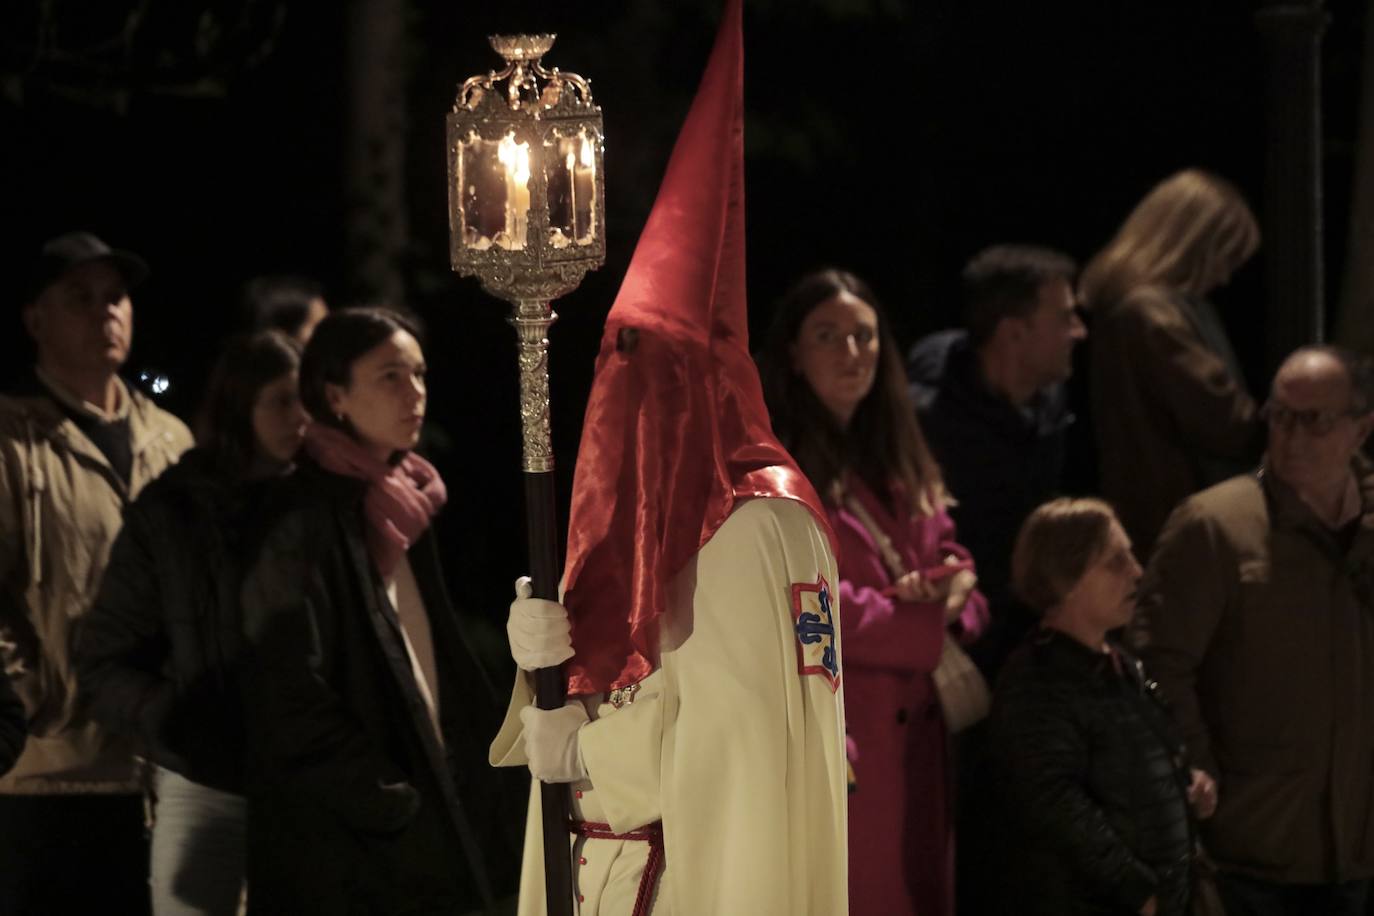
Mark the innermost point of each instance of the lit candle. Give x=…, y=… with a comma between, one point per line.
x=521, y=176
x=515, y=159
x=572, y=194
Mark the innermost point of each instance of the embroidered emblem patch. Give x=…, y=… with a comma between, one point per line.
x=818, y=648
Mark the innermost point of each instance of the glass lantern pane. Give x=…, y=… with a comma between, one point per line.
x=482, y=191
x=559, y=181
x=493, y=177
x=584, y=190
x=573, y=218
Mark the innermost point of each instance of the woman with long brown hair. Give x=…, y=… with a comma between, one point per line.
x=835, y=388
x=1169, y=401
x=160, y=650
x=367, y=713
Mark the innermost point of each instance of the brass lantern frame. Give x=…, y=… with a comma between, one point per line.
x=538, y=106
x=533, y=114
x=529, y=277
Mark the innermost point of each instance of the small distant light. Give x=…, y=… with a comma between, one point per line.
x=143, y=376
x=160, y=384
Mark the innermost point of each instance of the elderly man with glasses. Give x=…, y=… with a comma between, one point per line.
x=1258, y=619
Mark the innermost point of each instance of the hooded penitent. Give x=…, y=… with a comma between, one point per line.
x=676, y=431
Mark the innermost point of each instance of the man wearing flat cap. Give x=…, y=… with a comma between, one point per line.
x=76, y=446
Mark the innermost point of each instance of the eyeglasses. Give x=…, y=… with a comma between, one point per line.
x=1316, y=422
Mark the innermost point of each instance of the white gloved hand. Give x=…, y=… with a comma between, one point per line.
x=551, y=742
x=538, y=630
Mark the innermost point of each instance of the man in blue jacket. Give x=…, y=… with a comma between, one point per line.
x=992, y=404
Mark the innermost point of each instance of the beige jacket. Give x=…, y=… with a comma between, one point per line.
x=61, y=506
x=735, y=743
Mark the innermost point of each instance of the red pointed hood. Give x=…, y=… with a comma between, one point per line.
x=676, y=430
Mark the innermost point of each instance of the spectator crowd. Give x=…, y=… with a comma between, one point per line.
x=236, y=677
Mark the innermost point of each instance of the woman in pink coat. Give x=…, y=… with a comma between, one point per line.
x=834, y=385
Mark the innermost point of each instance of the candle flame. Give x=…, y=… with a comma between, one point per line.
x=587, y=157
x=515, y=157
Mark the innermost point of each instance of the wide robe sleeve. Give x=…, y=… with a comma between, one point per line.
x=754, y=773
x=739, y=748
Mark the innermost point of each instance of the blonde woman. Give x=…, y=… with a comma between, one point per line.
x=1170, y=405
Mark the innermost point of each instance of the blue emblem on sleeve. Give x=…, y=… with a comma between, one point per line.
x=818, y=645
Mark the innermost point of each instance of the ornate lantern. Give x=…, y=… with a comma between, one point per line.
x=527, y=217
x=527, y=195
x=525, y=175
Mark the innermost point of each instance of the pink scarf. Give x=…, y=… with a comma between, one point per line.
x=400, y=500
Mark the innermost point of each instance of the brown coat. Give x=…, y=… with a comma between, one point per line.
x=1259, y=624
x=1164, y=402
x=61, y=506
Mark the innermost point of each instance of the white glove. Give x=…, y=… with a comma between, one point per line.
x=538, y=630
x=551, y=742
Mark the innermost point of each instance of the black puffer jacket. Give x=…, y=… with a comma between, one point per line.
x=1094, y=780
x=157, y=654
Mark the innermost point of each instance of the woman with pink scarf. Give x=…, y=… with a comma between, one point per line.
x=367, y=713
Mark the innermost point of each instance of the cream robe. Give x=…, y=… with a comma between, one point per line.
x=739, y=753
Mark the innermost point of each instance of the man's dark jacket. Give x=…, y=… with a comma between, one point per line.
x=158, y=654
x=1094, y=778
x=1259, y=622
x=13, y=725
x=354, y=805
x=999, y=462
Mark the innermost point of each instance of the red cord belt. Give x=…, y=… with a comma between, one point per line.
x=651, y=834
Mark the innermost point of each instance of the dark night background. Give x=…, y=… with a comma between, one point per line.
x=891, y=138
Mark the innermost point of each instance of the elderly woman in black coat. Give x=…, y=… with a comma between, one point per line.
x=368, y=716
x=1093, y=772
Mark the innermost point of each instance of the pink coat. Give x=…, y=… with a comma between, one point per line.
x=901, y=849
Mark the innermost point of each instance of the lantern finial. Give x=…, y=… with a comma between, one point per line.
x=522, y=74
x=522, y=47
x=526, y=185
